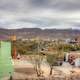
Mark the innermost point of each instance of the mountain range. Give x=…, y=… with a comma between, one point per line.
x=25, y=33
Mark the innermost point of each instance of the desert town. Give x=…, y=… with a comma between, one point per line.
x=39, y=39
x=37, y=59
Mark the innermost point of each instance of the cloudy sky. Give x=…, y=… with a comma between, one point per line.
x=60, y=14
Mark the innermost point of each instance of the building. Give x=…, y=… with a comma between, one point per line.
x=75, y=40
x=72, y=56
x=6, y=67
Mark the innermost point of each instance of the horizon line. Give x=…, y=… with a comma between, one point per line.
x=43, y=28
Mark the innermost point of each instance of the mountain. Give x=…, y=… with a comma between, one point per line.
x=37, y=32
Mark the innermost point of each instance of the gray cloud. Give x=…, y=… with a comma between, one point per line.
x=24, y=5
x=75, y=24
x=39, y=13
x=66, y=5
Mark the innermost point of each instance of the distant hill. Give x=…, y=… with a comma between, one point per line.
x=37, y=32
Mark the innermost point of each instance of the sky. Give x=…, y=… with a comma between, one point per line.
x=59, y=14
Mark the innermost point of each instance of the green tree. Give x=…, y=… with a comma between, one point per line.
x=52, y=60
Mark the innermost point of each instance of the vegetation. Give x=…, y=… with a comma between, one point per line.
x=52, y=61
x=30, y=47
x=37, y=51
x=58, y=56
x=36, y=61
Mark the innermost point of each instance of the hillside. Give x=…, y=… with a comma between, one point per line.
x=34, y=32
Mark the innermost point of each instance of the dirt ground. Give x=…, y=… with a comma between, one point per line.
x=24, y=70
